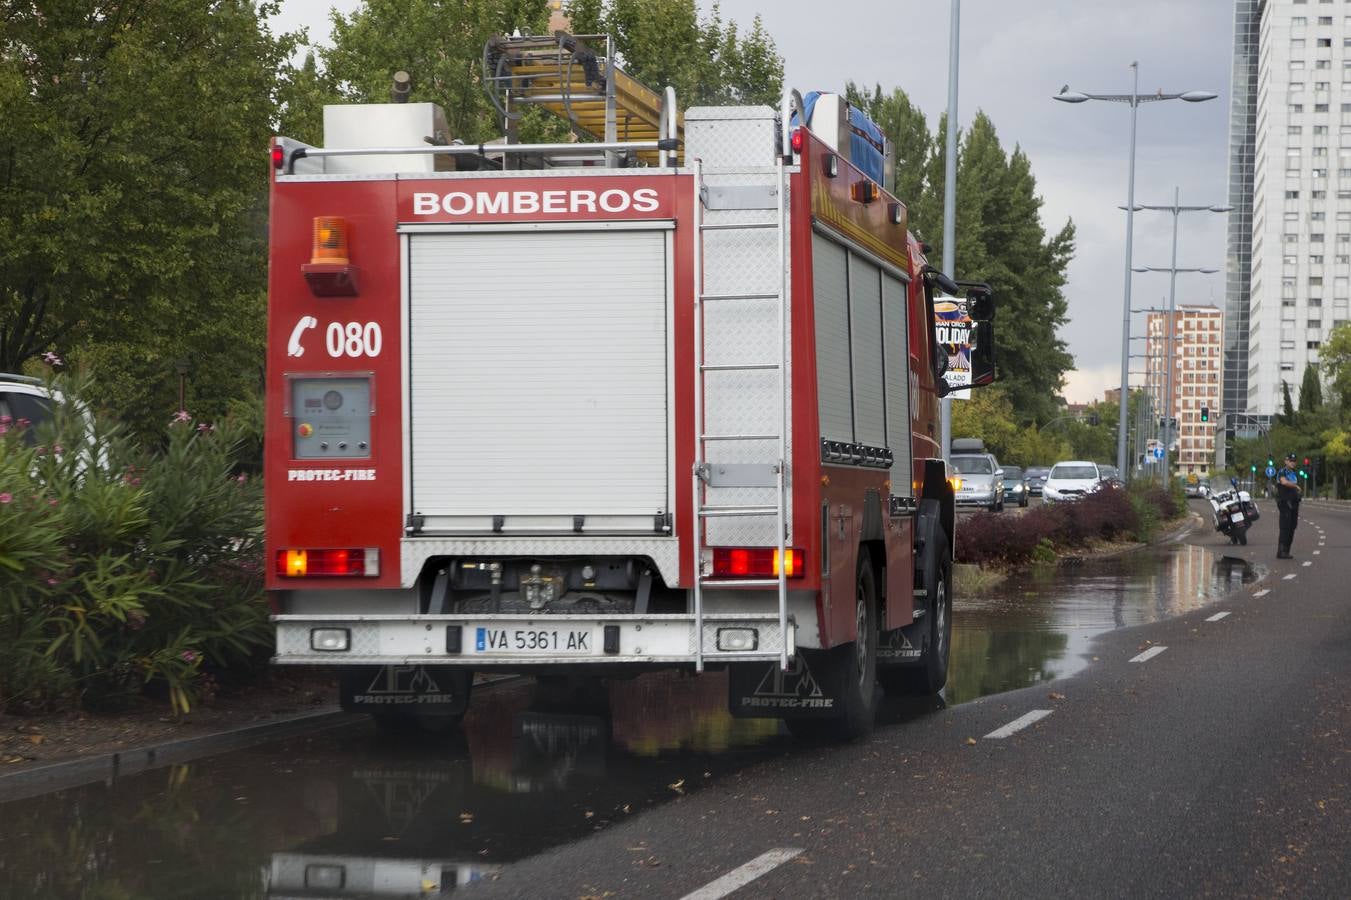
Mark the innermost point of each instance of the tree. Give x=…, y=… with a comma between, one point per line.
x=1310, y=390
x=1035, y=447
x=1335, y=358
x=438, y=42
x=1287, y=407
x=133, y=191
x=989, y=416
x=664, y=42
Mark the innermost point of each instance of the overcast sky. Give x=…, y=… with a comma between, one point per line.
x=1014, y=57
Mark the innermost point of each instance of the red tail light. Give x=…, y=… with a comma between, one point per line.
x=756, y=562
x=278, y=156
x=797, y=139
x=328, y=563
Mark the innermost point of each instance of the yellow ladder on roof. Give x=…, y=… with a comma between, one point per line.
x=563, y=74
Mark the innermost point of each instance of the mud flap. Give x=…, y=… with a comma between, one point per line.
x=810, y=689
x=903, y=646
x=434, y=690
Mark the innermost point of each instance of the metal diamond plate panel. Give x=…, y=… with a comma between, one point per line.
x=664, y=552
x=731, y=135
x=771, y=637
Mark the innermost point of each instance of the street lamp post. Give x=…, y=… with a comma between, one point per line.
x=950, y=199
x=1134, y=99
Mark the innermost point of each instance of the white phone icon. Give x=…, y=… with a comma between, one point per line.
x=305, y=324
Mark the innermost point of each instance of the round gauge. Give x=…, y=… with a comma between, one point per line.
x=332, y=400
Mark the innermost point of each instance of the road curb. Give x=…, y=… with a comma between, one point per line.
x=111, y=766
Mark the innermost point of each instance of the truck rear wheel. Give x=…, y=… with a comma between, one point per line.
x=931, y=674
x=853, y=666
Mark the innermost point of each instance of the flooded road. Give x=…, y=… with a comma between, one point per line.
x=351, y=812
x=1038, y=625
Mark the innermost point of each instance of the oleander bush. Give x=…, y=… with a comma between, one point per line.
x=124, y=569
x=1110, y=513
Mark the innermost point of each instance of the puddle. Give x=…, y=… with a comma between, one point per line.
x=356, y=813
x=1038, y=625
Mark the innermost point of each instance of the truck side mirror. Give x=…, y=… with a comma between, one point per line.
x=980, y=304
x=982, y=355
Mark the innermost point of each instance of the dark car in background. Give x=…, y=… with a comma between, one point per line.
x=1111, y=474
x=1015, y=486
x=1036, y=477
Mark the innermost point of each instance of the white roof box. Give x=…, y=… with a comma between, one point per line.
x=375, y=125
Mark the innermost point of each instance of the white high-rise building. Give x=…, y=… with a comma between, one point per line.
x=1289, y=279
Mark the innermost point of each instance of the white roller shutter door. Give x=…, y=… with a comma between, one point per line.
x=539, y=378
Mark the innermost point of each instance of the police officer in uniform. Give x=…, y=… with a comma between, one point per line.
x=1287, y=502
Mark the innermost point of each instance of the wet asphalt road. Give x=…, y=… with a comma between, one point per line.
x=1218, y=766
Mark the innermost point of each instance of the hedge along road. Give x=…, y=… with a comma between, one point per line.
x=543, y=791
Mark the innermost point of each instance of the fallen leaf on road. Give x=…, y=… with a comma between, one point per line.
x=971, y=742
x=589, y=814
x=36, y=739
x=1055, y=696
x=466, y=818
x=678, y=787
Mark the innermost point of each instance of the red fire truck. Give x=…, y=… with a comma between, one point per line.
x=666, y=397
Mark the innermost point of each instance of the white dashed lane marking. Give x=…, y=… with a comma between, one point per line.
x=1306, y=563
x=1018, y=724
x=744, y=875
x=1217, y=617
x=1316, y=552
x=1290, y=577
x=1262, y=593
x=1148, y=654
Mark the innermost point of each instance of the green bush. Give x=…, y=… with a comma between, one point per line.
x=124, y=567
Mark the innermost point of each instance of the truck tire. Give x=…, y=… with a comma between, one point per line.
x=853, y=666
x=931, y=674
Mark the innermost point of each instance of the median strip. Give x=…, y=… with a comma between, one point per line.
x=1018, y=724
x=1217, y=617
x=1148, y=654
x=745, y=874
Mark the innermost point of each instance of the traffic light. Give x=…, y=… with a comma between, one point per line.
x=1306, y=462
x=1254, y=468
x=1271, y=463
x=1205, y=414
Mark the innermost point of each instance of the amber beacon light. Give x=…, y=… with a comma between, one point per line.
x=330, y=272
x=330, y=241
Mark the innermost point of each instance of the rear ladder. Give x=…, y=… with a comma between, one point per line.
x=754, y=475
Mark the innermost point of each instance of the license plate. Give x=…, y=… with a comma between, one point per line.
x=543, y=641
x=1236, y=517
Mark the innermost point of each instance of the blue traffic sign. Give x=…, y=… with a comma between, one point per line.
x=1271, y=471
x=1158, y=453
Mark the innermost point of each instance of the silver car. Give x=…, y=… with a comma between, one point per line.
x=980, y=481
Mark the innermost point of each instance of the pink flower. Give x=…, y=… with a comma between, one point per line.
x=52, y=502
x=6, y=497
x=202, y=427
x=136, y=620
x=242, y=477
x=53, y=582
x=51, y=359
x=181, y=416
x=190, y=656
x=4, y=429
x=58, y=449
x=6, y=420
x=24, y=423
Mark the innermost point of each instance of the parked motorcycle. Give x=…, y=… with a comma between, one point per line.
x=1234, y=512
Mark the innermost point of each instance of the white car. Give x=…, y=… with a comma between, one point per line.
x=1070, y=481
